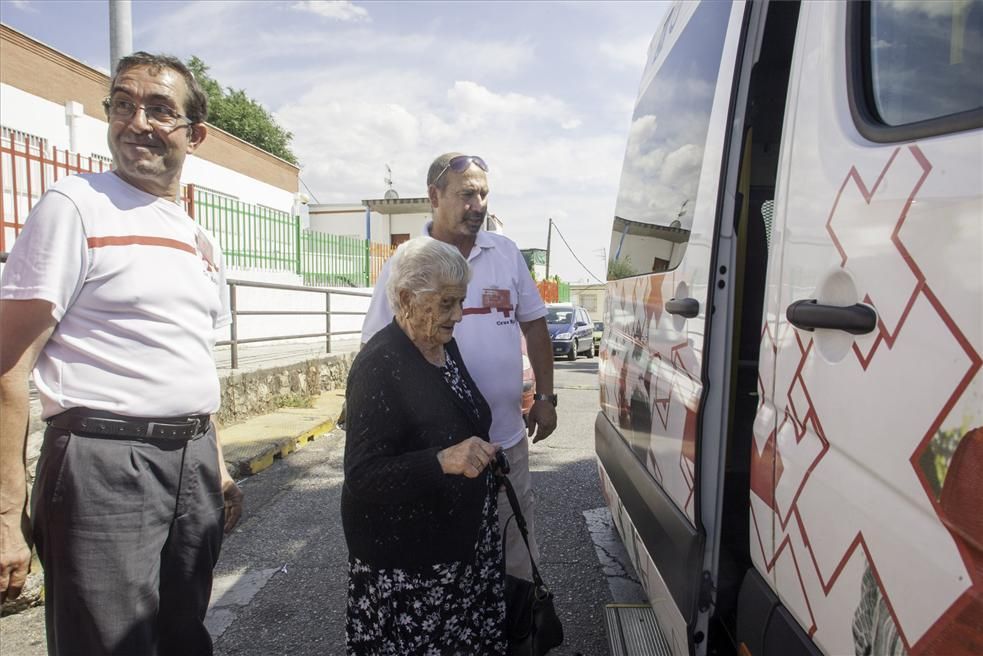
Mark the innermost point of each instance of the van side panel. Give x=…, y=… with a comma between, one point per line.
x=657, y=303
x=864, y=443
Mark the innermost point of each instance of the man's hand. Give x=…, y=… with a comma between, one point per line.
x=25, y=327
x=15, y=553
x=541, y=421
x=232, y=496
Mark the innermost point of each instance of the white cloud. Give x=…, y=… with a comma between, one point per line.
x=625, y=52
x=340, y=10
x=477, y=104
x=930, y=8
x=352, y=122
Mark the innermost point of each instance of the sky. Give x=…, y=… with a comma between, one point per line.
x=542, y=91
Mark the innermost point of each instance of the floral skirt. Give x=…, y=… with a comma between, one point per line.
x=439, y=610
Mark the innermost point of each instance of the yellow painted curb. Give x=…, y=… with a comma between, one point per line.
x=265, y=460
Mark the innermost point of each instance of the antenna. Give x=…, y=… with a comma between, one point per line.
x=390, y=192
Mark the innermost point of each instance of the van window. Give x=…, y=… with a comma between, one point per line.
x=925, y=58
x=664, y=157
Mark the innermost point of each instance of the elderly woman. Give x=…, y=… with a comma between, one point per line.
x=419, y=502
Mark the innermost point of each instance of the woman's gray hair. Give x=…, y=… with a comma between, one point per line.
x=424, y=264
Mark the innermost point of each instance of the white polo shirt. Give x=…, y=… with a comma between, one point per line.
x=500, y=295
x=137, y=288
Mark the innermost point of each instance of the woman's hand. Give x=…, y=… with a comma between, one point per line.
x=468, y=458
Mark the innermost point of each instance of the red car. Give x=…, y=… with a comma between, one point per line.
x=528, y=381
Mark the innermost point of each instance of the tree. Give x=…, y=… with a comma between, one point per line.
x=236, y=113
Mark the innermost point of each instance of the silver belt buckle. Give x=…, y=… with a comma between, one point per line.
x=155, y=429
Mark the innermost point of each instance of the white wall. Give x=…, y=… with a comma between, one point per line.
x=347, y=219
x=25, y=112
x=411, y=224
x=591, y=299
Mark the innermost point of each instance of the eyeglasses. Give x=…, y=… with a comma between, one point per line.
x=460, y=164
x=160, y=115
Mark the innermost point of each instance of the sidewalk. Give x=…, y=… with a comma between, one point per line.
x=251, y=446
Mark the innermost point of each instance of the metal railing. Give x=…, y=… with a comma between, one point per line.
x=233, y=342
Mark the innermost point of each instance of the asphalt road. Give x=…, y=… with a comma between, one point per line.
x=280, y=584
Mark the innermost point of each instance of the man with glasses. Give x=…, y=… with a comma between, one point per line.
x=502, y=305
x=112, y=295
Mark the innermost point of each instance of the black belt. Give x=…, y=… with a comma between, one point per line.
x=107, y=424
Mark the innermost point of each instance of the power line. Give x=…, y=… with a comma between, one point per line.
x=313, y=197
x=565, y=243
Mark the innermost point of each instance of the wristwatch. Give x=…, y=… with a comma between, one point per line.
x=545, y=397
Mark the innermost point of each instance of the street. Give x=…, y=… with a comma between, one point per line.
x=280, y=584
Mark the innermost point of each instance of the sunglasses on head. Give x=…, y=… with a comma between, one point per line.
x=460, y=164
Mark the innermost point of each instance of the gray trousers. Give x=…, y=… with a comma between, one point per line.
x=516, y=554
x=128, y=532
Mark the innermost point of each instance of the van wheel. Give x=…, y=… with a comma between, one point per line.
x=590, y=350
x=572, y=355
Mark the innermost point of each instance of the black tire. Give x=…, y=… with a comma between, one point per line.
x=590, y=349
x=572, y=355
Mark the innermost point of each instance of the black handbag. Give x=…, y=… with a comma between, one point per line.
x=532, y=624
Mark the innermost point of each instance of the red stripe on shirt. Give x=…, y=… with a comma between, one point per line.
x=140, y=240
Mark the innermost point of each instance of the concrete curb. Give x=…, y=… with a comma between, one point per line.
x=255, y=444
x=276, y=449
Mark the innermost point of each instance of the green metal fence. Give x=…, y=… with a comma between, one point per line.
x=333, y=260
x=251, y=236
x=254, y=236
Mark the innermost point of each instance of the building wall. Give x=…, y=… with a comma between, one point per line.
x=37, y=81
x=591, y=297
x=409, y=224
x=348, y=219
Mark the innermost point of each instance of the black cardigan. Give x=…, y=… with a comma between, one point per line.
x=398, y=508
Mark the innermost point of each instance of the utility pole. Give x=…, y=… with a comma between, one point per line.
x=604, y=260
x=120, y=31
x=549, y=235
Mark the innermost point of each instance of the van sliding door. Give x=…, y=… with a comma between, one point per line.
x=875, y=331
x=652, y=368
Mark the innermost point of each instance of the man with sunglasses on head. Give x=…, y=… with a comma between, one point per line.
x=502, y=304
x=112, y=295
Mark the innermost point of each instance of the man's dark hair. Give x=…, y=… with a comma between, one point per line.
x=439, y=165
x=196, y=106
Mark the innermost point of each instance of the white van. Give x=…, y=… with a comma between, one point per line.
x=791, y=427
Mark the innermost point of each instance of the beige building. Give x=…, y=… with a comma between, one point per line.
x=590, y=297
